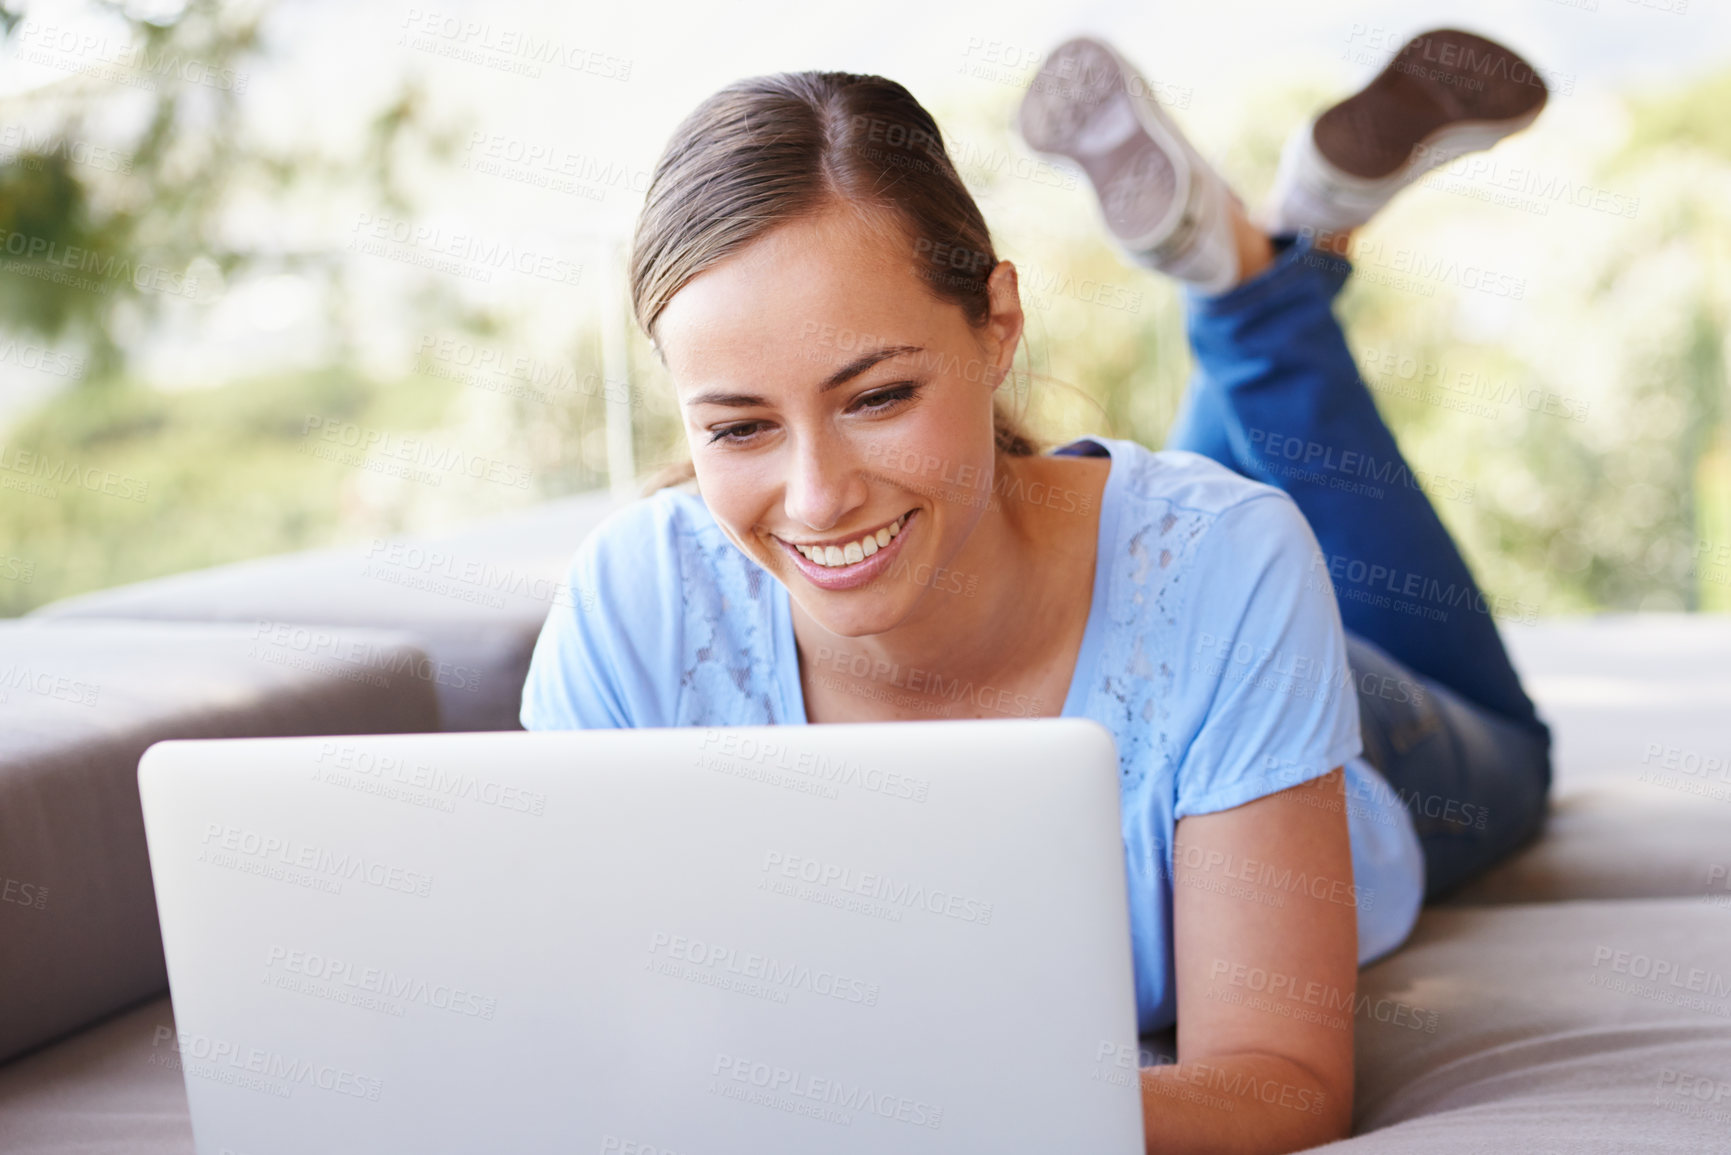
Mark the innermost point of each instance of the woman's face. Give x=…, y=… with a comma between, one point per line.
x=829, y=398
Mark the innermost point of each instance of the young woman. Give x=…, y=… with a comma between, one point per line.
x=865, y=533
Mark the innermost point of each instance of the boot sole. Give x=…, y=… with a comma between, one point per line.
x=1444, y=94
x=1081, y=105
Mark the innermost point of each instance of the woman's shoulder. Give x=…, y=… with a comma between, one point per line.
x=1183, y=505
x=665, y=552
x=722, y=610
x=1222, y=618
x=652, y=525
x=670, y=620
x=1179, y=480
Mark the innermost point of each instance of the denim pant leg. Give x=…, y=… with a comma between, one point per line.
x=1278, y=398
x=1475, y=783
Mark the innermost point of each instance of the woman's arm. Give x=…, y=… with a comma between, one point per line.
x=1265, y=933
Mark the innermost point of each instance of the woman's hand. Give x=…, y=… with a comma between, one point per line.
x=1265, y=933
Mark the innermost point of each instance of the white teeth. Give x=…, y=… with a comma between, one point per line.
x=854, y=551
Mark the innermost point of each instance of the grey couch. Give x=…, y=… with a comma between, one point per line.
x=474, y=598
x=1577, y=999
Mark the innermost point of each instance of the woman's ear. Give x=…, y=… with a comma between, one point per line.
x=1004, y=326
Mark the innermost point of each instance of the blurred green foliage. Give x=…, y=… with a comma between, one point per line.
x=140, y=224
x=1620, y=501
x=94, y=247
x=219, y=475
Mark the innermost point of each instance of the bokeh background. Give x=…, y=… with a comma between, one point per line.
x=292, y=274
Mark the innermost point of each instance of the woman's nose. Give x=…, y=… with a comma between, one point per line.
x=823, y=483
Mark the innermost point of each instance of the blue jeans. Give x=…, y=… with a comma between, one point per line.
x=1277, y=397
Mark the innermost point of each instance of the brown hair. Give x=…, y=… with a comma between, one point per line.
x=770, y=149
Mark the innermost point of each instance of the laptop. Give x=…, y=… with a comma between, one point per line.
x=888, y=937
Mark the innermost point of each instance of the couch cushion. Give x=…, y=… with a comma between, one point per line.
x=1617, y=840
x=114, y=1088
x=1540, y=1028
x=475, y=599
x=1570, y=1027
x=79, y=703
x=1641, y=804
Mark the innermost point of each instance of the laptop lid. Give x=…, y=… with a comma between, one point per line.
x=907, y=937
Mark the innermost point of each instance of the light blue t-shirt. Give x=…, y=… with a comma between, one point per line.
x=1213, y=652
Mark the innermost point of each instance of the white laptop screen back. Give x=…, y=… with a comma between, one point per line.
x=906, y=937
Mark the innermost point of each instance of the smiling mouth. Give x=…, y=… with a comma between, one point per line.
x=851, y=552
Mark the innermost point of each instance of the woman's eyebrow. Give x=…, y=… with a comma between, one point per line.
x=840, y=377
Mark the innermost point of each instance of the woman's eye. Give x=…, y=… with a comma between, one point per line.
x=880, y=402
x=737, y=433
x=888, y=398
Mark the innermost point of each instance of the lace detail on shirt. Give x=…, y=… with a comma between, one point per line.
x=1137, y=668
x=727, y=673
